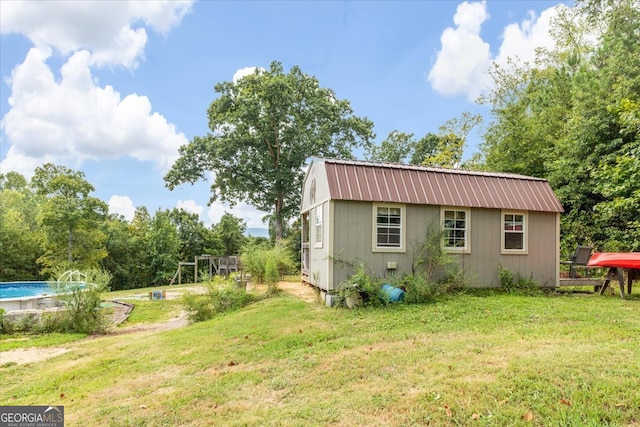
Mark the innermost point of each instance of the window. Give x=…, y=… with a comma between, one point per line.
x=455, y=226
x=514, y=232
x=389, y=228
x=318, y=226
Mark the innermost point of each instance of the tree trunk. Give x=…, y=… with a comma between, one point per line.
x=70, y=245
x=278, y=218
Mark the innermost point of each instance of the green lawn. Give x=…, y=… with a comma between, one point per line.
x=477, y=359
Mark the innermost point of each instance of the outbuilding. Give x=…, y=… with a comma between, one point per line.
x=376, y=213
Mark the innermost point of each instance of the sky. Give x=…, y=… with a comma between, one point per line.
x=113, y=88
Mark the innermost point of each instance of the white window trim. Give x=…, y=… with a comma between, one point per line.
x=374, y=228
x=525, y=234
x=316, y=224
x=467, y=241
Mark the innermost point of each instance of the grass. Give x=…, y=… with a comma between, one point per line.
x=14, y=341
x=475, y=359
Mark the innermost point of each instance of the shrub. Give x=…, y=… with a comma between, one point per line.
x=271, y=276
x=517, y=285
x=364, y=284
x=418, y=290
x=6, y=326
x=430, y=259
x=83, y=313
x=506, y=277
x=219, y=298
x=255, y=258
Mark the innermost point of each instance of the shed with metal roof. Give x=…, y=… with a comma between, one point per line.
x=380, y=213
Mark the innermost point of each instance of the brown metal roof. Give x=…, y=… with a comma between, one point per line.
x=391, y=182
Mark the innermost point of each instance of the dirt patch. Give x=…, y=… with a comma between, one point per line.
x=302, y=290
x=22, y=356
x=176, y=322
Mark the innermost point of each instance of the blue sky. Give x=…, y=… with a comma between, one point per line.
x=114, y=88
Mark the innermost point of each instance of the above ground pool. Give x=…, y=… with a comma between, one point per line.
x=24, y=289
x=29, y=295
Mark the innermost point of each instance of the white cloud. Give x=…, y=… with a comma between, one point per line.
x=464, y=58
x=243, y=72
x=251, y=216
x=462, y=64
x=113, y=32
x=74, y=118
x=521, y=39
x=122, y=205
x=190, y=206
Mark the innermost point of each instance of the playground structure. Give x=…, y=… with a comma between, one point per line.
x=215, y=264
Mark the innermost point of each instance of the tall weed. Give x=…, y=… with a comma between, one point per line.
x=255, y=258
x=219, y=298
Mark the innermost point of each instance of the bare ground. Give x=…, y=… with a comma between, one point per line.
x=24, y=356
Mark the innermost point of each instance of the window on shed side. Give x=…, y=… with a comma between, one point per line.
x=455, y=226
x=318, y=226
x=514, y=229
x=388, y=227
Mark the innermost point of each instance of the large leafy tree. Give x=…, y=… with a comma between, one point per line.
x=573, y=118
x=229, y=233
x=452, y=136
x=396, y=148
x=20, y=236
x=163, y=247
x=70, y=217
x=264, y=127
x=195, y=238
x=400, y=147
x=125, y=254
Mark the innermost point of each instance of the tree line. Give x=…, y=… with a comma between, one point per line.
x=53, y=222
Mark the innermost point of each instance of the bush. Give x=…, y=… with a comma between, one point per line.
x=519, y=285
x=82, y=301
x=83, y=312
x=255, y=258
x=430, y=259
x=363, y=284
x=271, y=276
x=220, y=298
x=6, y=327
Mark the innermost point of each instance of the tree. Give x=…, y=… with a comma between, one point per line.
x=195, y=238
x=163, y=248
x=401, y=147
x=69, y=216
x=396, y=148
x=264, y=127
x=139, y=231
x=573, y=118
x=20, y=236
x=13, y=181
x=230, y=233
x=122, y=261
x=424, y=148
x=452, y=137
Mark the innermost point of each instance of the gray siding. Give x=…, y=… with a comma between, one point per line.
x=316, y=178
x=352, y=233
x=319, y=260
x=315, y=192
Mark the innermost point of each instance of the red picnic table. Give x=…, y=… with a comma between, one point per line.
x=618, y=263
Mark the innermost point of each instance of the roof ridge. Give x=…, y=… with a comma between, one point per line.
x=392, y=165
